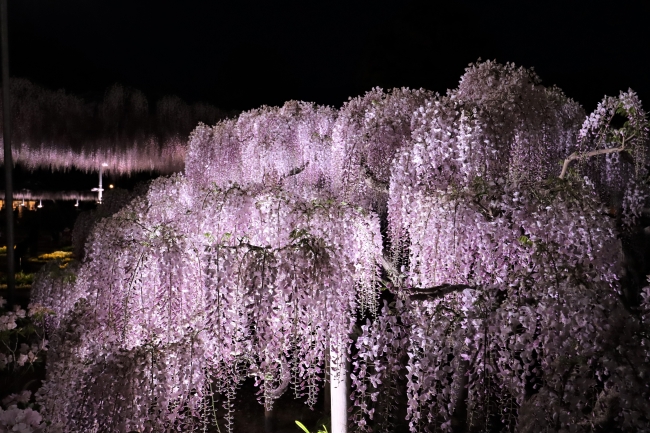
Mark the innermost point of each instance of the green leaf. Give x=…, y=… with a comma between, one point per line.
x=523, y=240
x=302, y=426
x=298, y=233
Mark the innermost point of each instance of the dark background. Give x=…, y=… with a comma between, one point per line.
x=242, y=54
x=238, y=55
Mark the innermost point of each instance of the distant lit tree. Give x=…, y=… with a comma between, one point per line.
x=60, y=131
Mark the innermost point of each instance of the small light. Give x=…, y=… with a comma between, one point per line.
x=40, y=204
x=110, y=186
x=77, y=203
x=23, y=203
x=104, y=164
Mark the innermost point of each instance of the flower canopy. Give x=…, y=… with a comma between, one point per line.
x=492, y=214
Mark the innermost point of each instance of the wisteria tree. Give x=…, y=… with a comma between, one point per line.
x=491, y=217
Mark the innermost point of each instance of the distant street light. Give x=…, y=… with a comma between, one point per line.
x=100, y=190
x=40, y=204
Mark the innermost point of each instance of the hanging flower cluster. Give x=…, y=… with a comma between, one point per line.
x=614, y=155
x=187, y=291
x=517, y=323
x=516, y=316
x=288, y=146
x=368, y=132
x=114, y=200
x=310, y=150
x=15, y=419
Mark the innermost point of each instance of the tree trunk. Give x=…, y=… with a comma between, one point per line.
x=268, y=421
x=8, y=161
x=459, y=415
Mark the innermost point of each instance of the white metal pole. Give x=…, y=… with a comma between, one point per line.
x=100, y=189
x=338, y=386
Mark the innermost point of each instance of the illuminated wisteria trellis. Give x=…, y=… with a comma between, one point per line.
x=493, y=216
x=121, y=133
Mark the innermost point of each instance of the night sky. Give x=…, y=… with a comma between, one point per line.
x=242, y=54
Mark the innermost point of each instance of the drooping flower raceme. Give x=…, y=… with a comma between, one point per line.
x=368, y=132
x=288, y=146
x=515, y=271
x=192, y=289
x=59, y=131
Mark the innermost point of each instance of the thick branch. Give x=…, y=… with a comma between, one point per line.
x=297, y=170
x=388, y=266
x=459, y=411
x=372, y=181
x=275, y=393
x=421, y=293
x=576, y=155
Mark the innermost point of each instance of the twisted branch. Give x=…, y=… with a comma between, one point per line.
x=576, y=155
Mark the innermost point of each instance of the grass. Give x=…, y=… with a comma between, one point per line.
x=23, y=280
x=64, y=256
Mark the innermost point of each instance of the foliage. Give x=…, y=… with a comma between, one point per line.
x=22, y=279
x=60, y=256
x=303, y=428
x=22, y=342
